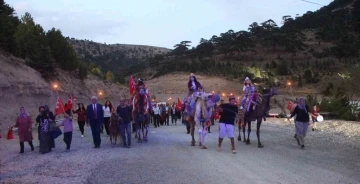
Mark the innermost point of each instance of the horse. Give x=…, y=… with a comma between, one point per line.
x=258, y=114
x=198, y=112
x=141, y=105
x=114, y=127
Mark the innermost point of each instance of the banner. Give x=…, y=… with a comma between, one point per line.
x=59, y=107
x=132, y=86
x=69, y=104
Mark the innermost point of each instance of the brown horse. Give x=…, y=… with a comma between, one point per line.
x=141, y=106
x=258, y=114
x=114, y=128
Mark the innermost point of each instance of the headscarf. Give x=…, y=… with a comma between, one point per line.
x=23, y=114
x=301, y=103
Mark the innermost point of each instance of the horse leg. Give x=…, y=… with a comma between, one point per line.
x=143, y=131
x=146, y=131
x=192, y=126
x=258, y=132
x=249, y=130
x=244, y=128
x=138, y=133
x=239, y=127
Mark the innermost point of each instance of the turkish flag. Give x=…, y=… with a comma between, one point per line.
x=132, y=85
x=217, y=115
x=178, y=105
x=69, y=104
x=59, y=107
x=289, y=106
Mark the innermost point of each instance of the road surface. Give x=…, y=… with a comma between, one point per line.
x=169, y=158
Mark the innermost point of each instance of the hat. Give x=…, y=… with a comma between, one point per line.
x=192, y=75
x=247, y=79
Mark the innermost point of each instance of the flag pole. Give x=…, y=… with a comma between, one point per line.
x=58, y=96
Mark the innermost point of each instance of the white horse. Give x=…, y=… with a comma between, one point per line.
x=199, y=110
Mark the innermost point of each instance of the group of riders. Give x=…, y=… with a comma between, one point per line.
x=141, y=102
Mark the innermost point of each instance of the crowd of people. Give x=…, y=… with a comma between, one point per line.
x=98, y=117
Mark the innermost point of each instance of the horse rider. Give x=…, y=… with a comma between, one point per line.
x=140, y=83
x=246, y=91
x=193, y=86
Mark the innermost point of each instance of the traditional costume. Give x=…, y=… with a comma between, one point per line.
x=246, y=91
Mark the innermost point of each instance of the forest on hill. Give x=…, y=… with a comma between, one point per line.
x=42, y=50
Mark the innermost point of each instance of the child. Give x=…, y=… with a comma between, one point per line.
x=68, y=129
x=246, y=90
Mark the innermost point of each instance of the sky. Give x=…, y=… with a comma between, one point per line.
x=162, y=23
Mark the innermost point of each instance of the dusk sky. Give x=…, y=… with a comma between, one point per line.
x=161, y=23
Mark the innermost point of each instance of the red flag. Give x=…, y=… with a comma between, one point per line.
x=59, y=107
x=179, y=104
x=289, y=106
x=132, y=85
x=69, y=104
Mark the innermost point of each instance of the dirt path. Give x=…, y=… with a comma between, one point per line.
x=169, y=158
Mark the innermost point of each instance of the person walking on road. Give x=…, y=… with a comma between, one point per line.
x=94, y=119
x=301, y=121
x=226, y=123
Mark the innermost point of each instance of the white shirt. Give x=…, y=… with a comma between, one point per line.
x=107, y=112
x=193, y=85
x=156, y=110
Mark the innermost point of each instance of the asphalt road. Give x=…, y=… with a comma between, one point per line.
x=169, y=158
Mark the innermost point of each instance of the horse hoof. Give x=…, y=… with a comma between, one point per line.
x=260, y=146
x=203, y=147
x=200, y=144
x=192, y=144
x=239, y=138
x=139, y=141
x=248, y=142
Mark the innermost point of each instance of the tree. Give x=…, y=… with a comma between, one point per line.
x=181, y=48
x=205, y=48
x=243, y=41
x=32, y=46
x=282, y=68
x=308, y=76
x=82, y=71
x=109, y=76
x=63, y=53
x=9, y=23
x=300, y=84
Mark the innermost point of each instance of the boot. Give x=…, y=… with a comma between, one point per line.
x=21, y=147
x=31, y=145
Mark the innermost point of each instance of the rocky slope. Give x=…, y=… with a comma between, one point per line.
x=21, y=85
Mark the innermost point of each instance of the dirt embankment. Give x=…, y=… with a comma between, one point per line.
x=22, y=86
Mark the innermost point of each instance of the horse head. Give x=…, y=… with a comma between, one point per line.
x=264, y=107
x=211, y=100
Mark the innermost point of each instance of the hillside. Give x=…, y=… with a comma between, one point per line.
x=120, y=59
x=86, y=47
x=22, y=86
x=297, y=51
